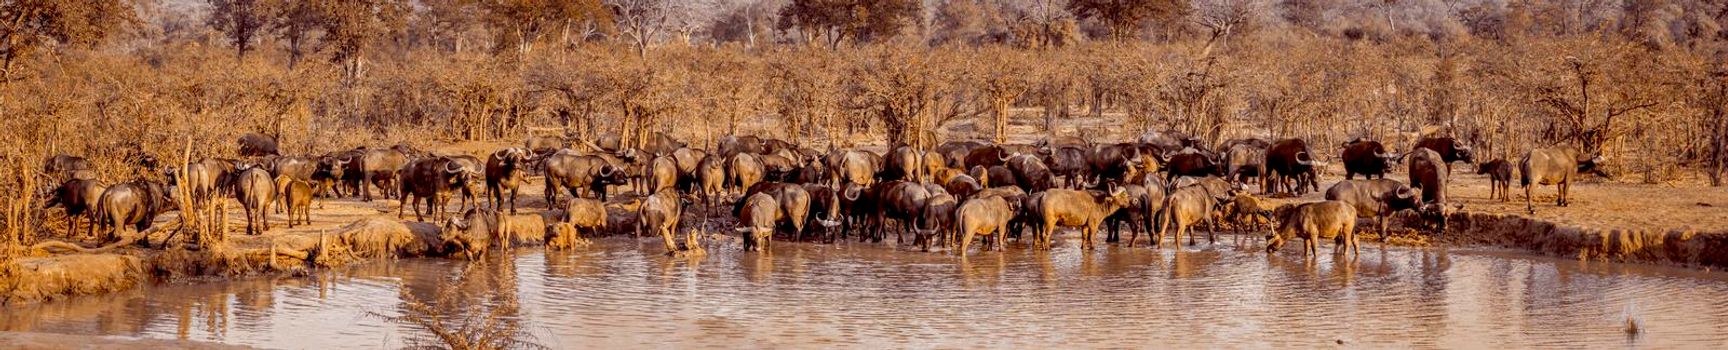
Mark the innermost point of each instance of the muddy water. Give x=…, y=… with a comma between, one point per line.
x=623, y=292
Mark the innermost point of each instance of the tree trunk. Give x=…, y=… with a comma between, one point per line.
x=1001, y=118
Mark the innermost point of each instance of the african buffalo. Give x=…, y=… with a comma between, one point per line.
x=1287, y=161
x=1192, y=162
x=902, y=201
x=432, y=180
x=794, y=204
x=133, y=204
x=756, y=221
x=662, y=174
x=1557, y=166
x=79, y=197
x=987, y=216
x=955, y=152
x=743, y=171
x=1312, y=222
x=504, y=172
x=711, y=177
x=1030, y=173
x=255, y=189
x=824, y=208
x=1427, y=174
x=936, y=221
x=257, y=145
x=659, y=214
x=296, y=199
x=1377, y=199
x=573, y=172
x=1069, y=163
x=962, y=186
x=378, y=167
x=1083, y=209
x=1244, y=161
x=1499, y=173
x=1187, y=206
x=472, y=233
x=1366, y=157
x=586, y=213
x=1112, y=162
x=471, y=183
x=1450, y=150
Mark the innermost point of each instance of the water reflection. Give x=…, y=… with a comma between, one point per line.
x=627, y=293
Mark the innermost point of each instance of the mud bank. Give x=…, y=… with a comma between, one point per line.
x=42, y=275
x=1673, y=247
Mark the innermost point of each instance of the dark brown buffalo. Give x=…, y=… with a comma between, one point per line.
x=1082, y=209
x=1001, y=176
x=1499, y=173
x=955, y=152
x=257, y=145
x=983, y=216
x=1030, y=173
x=1312, y=222
x=756, y=221
x=825, y=209
x=988, y=156
x=1367, y=157
x=902, y=201
x=1243, y=161
x=255, y=189
x=133, y=204
x=432, y=180
x=379, y=167
x=962, y=186
x=858, y=206
x=79, y=197
x=660, y=144
x=1428, y=173
x=1133, y=214
x=1192, y=162
x=504, y=171
x=573, y=172
x=660, y=214
x=936, y=221
x=1557, y=166
x=297, y=200
x=1290, y=162
x=1112, y=162
x=1069, y=163
x=1450, y=150
x=331, y=169
x=473, y=181
x=471, y=233
x=1375, y=199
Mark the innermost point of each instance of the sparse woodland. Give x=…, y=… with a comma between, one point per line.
x=1642, y=81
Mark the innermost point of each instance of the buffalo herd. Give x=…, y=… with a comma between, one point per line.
x=943, y=196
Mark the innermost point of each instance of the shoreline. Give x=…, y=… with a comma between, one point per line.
x=55, y=277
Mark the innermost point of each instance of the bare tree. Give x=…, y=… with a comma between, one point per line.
x=1224, y=18
x=241, y=21
x=644, y=21
x=29, y=25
